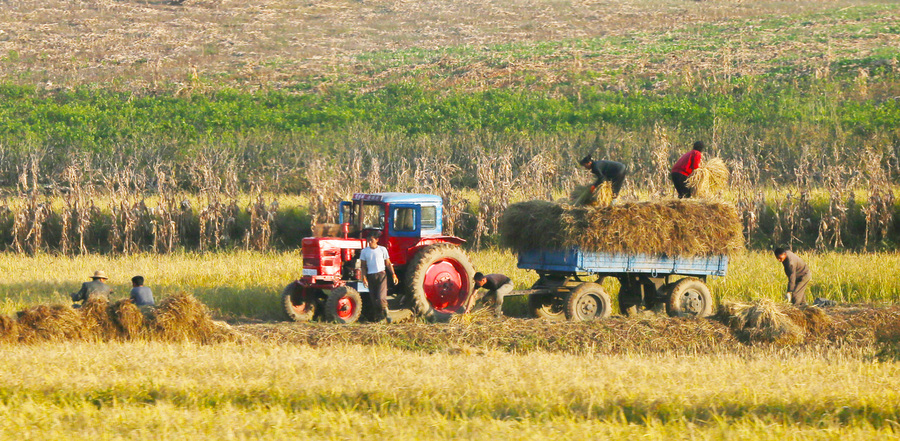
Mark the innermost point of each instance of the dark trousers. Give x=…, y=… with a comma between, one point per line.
x=378, y=289
x=617, y=182
x=681, y=187
x=798, y=295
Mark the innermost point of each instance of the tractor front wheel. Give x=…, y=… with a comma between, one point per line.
x=344, y=305
x=299, y=302
x=439, y=279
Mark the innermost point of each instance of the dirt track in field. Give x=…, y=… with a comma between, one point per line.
x=858, y=327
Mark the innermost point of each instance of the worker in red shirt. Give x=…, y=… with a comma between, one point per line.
x=683, y=168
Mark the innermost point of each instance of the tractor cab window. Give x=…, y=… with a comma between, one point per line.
x=405, y=219
x=373, y=216
x=429, y=217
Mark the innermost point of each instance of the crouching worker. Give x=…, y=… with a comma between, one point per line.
x=97, y=287
x=798, y=274
x=140, y=294
x=497, y=285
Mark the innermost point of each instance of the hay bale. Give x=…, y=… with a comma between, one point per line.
x=182, y=318
x=50, y=323
x=675, y=227
x=761, y=321
x=9, y=330
x=129, y=320
x=96, y=319
x=709, y=179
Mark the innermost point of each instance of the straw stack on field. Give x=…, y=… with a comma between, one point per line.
x=53, y=322
x=9, y=330
x=182, y=318
x=96, y=319
x=709, y=179
x=671, y=227
x=128, y=318
x=761, y=321
x=178, y=318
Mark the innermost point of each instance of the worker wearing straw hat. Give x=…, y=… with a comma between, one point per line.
x=611, y=171
x=683, y=168
x=97, y=287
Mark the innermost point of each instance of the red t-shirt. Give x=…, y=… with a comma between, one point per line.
x=687, y=163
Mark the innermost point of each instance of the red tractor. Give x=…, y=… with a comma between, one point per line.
x=435, y=273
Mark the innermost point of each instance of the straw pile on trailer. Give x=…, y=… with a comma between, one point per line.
x=602, y=196
x=674, y=227
x=709, y=179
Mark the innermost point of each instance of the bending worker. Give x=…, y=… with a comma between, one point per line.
x=604, y=170
x=798, y=275
x=497, y=285
x=683, y=168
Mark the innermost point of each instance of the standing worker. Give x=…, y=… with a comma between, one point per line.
x=97, y=287
x=375, y=260
x=140, y=294
x=683, y=168
x=604, y=170
x=798, y=275
x=497, y=285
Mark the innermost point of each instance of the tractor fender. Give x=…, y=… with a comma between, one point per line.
x=453, y=240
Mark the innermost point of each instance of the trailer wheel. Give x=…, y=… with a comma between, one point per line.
x=689, y=297
x=344, y=305
x=440, y=280
x=547, y=306
x=588, y=301
x=299, y=302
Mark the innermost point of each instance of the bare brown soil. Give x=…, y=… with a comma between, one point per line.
x=141, y=45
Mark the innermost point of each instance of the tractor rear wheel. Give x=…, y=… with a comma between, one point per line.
x=299, y=302
x=587, y=302
x=689, y=297
x=439, y=279
x=344, y=305
x=547, y=306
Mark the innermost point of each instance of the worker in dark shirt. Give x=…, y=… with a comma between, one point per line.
x=140, y=294
x=798, y=275
x=497, y=285
x=611, y=171
x=96, y=288
x=683, y=168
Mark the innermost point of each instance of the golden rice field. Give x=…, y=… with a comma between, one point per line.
x=247, y=284
x=250, y=391
x=281, y=389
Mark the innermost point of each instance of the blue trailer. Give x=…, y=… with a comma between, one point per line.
x=570, y=281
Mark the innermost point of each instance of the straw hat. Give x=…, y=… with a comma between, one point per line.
x=99, y=275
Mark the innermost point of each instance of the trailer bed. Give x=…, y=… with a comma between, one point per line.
x=575, y=261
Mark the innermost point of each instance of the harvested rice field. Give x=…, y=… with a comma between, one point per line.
x=756, y=370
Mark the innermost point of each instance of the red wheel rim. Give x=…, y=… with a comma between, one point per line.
x=345, y=307
x=446, y=285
